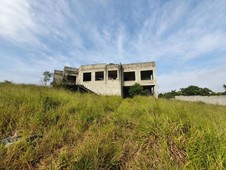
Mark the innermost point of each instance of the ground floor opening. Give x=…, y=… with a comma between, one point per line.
x=125, y=90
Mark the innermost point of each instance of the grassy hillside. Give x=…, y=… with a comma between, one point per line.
x=85, y=131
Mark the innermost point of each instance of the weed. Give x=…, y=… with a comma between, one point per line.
x=85, y=131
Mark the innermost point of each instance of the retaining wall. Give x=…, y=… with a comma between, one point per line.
x=218, y=100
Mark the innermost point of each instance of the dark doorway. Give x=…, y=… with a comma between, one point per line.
x=126, y=91
x=71, y=80
x=150, y=89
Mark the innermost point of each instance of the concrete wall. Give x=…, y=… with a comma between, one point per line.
x=137, y=68
x=58, y=76
x=105, y=86
x=70, y=71
x=219, y=100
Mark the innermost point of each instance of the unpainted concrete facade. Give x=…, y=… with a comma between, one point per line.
x=218, y=100
x=110, y=79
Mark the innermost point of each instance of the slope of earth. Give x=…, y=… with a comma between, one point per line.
x=58, y=129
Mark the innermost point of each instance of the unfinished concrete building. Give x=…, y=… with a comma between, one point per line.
x=109, y=79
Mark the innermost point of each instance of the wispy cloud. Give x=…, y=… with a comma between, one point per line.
x=182, y=30
x=211, y=78
x=16, y=23
x=176, y=34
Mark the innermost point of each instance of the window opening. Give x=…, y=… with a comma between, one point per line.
x=112, y=75
x=129, y=76
x=99, y=76
x=147, y=75
x=86, y=76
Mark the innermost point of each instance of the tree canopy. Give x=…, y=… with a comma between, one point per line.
x=188, y=91
x=46, y=77
x=195, y=90
x=224, y=86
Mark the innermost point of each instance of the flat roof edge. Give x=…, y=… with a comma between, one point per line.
x=92, y=64
x=151, y=62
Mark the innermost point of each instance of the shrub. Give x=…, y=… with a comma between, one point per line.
x=137, y=89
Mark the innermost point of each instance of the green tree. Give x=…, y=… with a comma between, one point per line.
x=46, y=77
x=195, y=90
x=137, y=89
x=224, y=86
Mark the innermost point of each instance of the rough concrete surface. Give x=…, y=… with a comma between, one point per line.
x=110, y=79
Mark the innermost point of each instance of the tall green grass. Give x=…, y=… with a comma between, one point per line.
x=85, y=131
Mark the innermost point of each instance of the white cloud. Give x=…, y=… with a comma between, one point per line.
x=19, y=72
x=85, y=32
x=15, y=21
x=23, y=72
x=173, y=29
x=211, y=78
x=181, y=31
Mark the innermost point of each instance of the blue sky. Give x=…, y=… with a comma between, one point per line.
x=186, y=39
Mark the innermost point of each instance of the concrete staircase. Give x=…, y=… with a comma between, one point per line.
x=84, y=88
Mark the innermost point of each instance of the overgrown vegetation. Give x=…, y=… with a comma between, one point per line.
x=85, y=131
x=137, y=89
